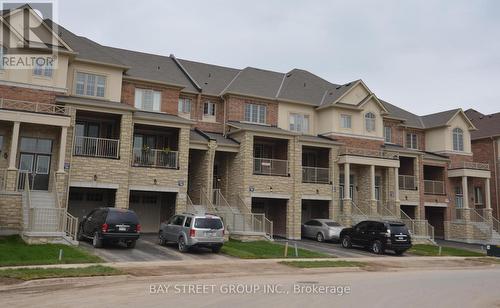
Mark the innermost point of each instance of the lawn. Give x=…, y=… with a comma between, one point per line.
x=430, y=250
x=265, y=250
x=41, y=273
x=13, y=251
x=323, y=263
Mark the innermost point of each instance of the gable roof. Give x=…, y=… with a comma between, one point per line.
x=255, y=82
x=488, y=125
x=438, y=119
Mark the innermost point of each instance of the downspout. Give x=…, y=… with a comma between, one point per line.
x=495, y=157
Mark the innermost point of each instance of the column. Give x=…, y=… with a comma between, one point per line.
x=396, y=184
x=62, y=149
x=465, y=192
x=13, y=146
x=487, y=195
x=372, y=182
x=347, y=181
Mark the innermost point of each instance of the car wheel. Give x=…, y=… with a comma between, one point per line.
x=216, y=249
x=79, y=234
x=131, y=244
x=182, y=244
x=161, y=240
x=399, y=252
x=320, y=237
x=346, y=241
x=96, y=241
x=377, y=247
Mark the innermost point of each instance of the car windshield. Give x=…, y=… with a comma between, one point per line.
x=208, y=223
x=332, y=224
x=398, y=229
x=116, y=217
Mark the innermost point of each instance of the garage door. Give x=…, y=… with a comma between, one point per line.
x=147, y=208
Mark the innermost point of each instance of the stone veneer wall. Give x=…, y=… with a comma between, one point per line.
x=11, y=214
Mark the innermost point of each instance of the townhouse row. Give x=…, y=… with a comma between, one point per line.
x=265, y=150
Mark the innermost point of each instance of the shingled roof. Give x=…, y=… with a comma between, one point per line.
x=488, y=125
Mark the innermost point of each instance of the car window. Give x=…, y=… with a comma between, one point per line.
x=188, y=222
x=396, y=229
x=332, y=224
x=361, y=226
x=121, y=216
x=171, y=220
x=208, y=223
x=313, y=223
x=178, y=220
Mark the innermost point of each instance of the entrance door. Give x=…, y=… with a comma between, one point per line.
x=459, y=197
x=37, y=168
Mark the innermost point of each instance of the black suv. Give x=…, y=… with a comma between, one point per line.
x=110, y=225
x=378, y=236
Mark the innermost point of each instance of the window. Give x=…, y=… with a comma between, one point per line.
x=3, y=51
x=313, y=223
x=184, y=105
x=345, y=121
x=478, y=195
x=411, y=141
x=45, y=71
x=370, y=122
x=187, y=224
x=90, y=84
x=35, y=145
x=458, y=139
x=299, y=123
x=255, y=113
x=209, y=109
x=148, y=100
x=388, y=134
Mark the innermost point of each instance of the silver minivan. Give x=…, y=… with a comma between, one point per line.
x=193, y=230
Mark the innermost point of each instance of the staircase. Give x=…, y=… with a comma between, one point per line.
x=44, y=220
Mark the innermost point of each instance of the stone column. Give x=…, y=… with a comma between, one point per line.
x=487, y=193
x=373, y=200
x=465, y=192
x=62, y=149
x=347, y=202
x=13, y=145
x=397, y=202
x=347, y=183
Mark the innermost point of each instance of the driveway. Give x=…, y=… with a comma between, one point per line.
x=147, y=249
x=335, y=249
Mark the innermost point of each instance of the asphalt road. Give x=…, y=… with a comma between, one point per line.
x=335, y=249
x=147, y=249
x=472, y=287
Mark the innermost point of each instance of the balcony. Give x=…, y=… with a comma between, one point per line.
x=434, y=187
x=10, y=104
x=315, y=175
x=268, y=166
x=96, y=147
x=407, y=182
x=367, y=153
x=155, y=158
x=469, y=165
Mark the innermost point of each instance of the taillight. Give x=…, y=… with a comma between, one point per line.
x=138, y=228
x=192, y=232
x=104, y=228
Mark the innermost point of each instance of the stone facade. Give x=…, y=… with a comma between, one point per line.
x=11, y=218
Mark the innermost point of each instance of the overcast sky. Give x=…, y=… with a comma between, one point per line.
x=424, y=56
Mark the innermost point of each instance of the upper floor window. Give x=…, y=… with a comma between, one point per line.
x=345, y=121
x=388, y=134
x=209, y=109
x=184, y=105
x=458, y=139
x=255, y=113
x=299, y=123
x=411, y=141
x=90, y=84
x=370, y=121
x=478, y=195
x=147, y=99
x=45, y=71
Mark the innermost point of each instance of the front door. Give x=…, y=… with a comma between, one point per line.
x=37, y=168
x=459, y=197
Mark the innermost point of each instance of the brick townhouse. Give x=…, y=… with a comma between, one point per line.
x=265, y=150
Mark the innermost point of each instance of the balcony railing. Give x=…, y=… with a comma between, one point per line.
x=469, y=165
x=155, y=158
x=368, y=153
x=12, y=104
x=267, y=166
x=96, y=147
x=315, y=175
x=434, y=187
x=407, y=182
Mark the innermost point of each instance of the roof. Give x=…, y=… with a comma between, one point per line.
x=196, y=136
x=162, y=117
x=255, y=82
x=409, y=118
x=220, y=139
x=318, y=139
x=487, y=125
x=91, y=102
x=439, y=119
x=260, y=128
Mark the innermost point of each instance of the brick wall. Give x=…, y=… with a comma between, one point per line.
x=236, y=109
x=169, y=96
x=359, y=142
x=197, y=114
x=26, y=94
x=397, y=131
x=484, y=152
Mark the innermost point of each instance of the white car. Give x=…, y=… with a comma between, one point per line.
x=322, y=229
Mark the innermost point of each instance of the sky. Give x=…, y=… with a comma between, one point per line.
x=424, y=56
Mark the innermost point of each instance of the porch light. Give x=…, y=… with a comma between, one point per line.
x=155, y=181
x=270, y=188
x=95, y=177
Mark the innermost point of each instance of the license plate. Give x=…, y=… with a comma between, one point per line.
x=122, y=229
x=401, y=238
x=210, y=234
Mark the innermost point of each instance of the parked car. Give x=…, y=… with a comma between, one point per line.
x=193, y=230
x=378, y=236
x=321, y=229
x=110, y=225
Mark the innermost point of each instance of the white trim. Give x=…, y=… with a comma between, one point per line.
x=353, y=135
x=270, y=195
x=156, y=188
x=410, y=203
x=32, y=86
x=93, y=184
x=435, y=204
x=317, y=197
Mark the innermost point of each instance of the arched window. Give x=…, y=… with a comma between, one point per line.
x=370, y=121
x=458, y=139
